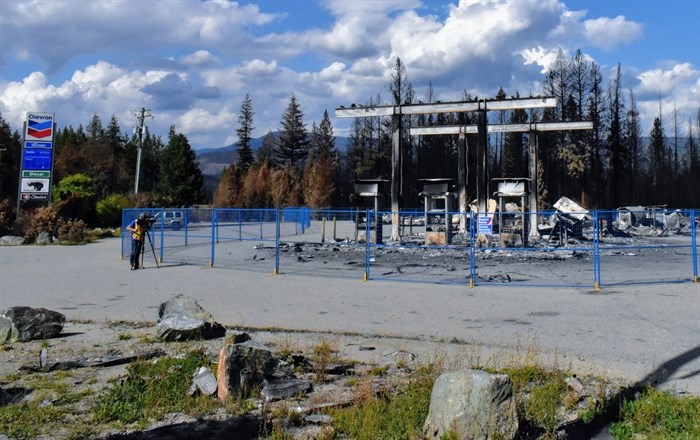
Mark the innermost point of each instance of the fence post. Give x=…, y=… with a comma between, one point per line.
x=213, y=238
x=277, y=242
x=216, y=235
x=472, y=252
x=186, y=220
x=367, y=247
x=596, y=251
x=323, y=230
x=261, y=223
x=694, y=244
x=123, y=229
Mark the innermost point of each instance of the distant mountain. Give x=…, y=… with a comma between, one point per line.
x=212, y=161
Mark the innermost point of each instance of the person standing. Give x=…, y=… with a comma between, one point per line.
x=137, y=232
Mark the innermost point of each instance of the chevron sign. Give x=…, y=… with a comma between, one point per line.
x=39, y=127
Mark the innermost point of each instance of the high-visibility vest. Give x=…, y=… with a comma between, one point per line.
x=138, y=232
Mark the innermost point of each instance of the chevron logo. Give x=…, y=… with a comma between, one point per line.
x=39, y=126
x=39, y=129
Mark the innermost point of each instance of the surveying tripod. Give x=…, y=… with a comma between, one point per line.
x=153, y=251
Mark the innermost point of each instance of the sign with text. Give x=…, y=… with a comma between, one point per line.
x=484, y=225
x=38, y=197
x=39, y=127
x=36, y=174
x=36, y=159
x=32, y=144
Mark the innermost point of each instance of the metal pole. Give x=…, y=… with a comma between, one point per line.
x=186, y=220
x=367, y=244
x=462, y=180
x=162, y=235
x=240, y=225
x=395, y=174
x=596, y=251
x=482, y=178
x=694, y=244
x=472, y=251
x=213, y=234
x=277, y=242
x=532, y=162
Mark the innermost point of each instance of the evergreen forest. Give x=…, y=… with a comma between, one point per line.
x=615, y=164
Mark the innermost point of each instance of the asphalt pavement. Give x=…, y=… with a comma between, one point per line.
x=635, y=332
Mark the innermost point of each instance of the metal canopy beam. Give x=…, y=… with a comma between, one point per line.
x=445, y=107
x=534, y=127
x=481, y=106
x=502, y=128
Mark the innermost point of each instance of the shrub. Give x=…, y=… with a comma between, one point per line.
x=75, y=197
x=109, y=209
x=43, y=219
x=7, y=213
x=72, y=231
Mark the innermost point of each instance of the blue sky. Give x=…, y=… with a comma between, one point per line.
x=192, y=62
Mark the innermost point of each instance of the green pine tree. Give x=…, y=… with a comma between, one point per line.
x=181, y=182
x=244, y=131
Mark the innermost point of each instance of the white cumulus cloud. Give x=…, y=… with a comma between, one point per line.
x=608, y=33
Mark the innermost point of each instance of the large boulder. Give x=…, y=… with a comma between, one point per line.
x=243, y=367
x=26, y=323
x=44, y=238
x=11, y=240
x=181, y=318
x=472, y=404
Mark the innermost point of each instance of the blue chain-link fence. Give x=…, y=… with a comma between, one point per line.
x=587, y=249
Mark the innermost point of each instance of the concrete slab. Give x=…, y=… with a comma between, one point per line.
x=625, y=331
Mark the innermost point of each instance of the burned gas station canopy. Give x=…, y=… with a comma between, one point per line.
x=481, y=128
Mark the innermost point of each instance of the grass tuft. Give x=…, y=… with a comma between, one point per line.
x=659, y=415
x=399, y=416
x=153, y=389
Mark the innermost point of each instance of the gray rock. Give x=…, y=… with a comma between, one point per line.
x=204, y=381
x=11, y=240
x=247, y=366
x=474, y=404
x=575, y=388
x=278, y=389
x=5, y=330
x=183, y=305
x=28, y=323
x=318, y=419
x=236, y=337
x=186, y=328
x=182, y=319
x=44, y=238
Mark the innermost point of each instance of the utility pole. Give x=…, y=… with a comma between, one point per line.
x=141, y=116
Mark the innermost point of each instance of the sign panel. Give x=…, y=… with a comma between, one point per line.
x=32, y=196
x=33, y=144
x=39, y=127
x=484, y=225
x=36, y=174
x=36, y=159
x=33, y=185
